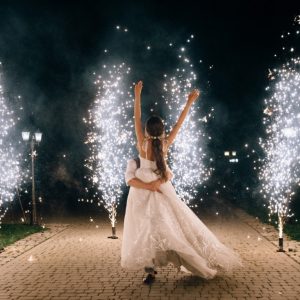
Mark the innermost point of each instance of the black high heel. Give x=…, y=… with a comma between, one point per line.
x=149, y=279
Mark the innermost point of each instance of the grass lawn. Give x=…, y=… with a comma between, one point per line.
x=9, y=233
x=292, y=230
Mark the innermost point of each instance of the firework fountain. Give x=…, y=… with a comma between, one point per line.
x=111, y=137
x=188, y=158
x=9, y=159
x=279, y=170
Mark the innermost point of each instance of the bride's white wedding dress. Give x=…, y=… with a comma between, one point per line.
x=160, y=228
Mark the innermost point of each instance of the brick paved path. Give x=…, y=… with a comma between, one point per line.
x=81, y=263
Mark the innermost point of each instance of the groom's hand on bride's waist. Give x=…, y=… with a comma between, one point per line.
x=154, y=185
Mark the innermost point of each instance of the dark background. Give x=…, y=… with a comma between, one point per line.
x=49, y=50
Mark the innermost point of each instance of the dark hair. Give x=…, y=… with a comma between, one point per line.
x=155, y=128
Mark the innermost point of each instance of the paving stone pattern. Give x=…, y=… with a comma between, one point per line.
x=80, y=262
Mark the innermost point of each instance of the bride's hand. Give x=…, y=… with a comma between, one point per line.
x=138, y=88
x=194, y=94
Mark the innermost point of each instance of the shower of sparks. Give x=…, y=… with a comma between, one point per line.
x=9, y=159
x=187, y=157
x=280, y=169
x=110, y=138
x=108, y=158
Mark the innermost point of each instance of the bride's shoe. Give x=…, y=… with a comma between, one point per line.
x=150, y=276
x=149, y=279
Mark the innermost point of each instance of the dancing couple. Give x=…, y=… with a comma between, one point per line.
x=159, y=228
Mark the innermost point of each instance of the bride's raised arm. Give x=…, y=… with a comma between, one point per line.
x=191, y=99
x=138, y=114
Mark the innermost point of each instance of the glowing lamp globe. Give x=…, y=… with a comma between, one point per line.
x=38, y=136
x=25, y=136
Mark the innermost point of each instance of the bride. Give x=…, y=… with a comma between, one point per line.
x=160, y=228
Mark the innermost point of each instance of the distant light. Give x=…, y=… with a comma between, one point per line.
x=226, y=153
x=233, y=153
x=233, y=160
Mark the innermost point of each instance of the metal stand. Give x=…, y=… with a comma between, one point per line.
x=33, y=220
x=113, y=236
x=34, y=139
x=280, y=243
x=20, y=202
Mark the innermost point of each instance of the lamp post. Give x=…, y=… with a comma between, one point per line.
x=34, y=138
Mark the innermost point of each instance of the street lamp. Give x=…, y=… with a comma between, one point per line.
x=34, y=138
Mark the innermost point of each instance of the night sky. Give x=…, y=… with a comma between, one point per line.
x=49, y=50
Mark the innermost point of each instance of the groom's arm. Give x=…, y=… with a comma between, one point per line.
x=131, y=180
x=137, y=183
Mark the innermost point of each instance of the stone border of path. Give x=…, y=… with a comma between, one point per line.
x=291, y=247
x=21, y=246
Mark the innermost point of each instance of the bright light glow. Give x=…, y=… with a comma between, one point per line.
x=25, y=136
x=38, y=136
x=233, y=160
x=110, y=139
x=10, y=174
x=187, y=157
x=280, y=169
